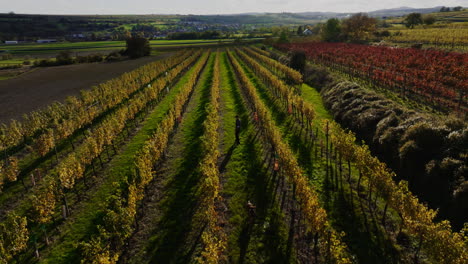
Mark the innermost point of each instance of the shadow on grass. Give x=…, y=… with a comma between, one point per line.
x=226, y=159
x=262, y=238
x=167, y=246
x=368, y=243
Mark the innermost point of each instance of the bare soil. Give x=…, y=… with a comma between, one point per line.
x=38, y=88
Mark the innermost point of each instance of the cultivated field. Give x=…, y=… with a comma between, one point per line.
x=35, y=49
x=146, y=168
x=42, y=86
x=432, y=77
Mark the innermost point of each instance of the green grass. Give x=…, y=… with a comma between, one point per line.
x=172, y=240
x=312, y=96
x=370, y=247
x=35, y=48
x=365, y=238
x=81, y=225
x=265, y=241
x=32, y=161
x=12, y=47
x=12, y=61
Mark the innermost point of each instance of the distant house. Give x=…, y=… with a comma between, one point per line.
x=307, y=32
x=11, y=42
x=46, y=40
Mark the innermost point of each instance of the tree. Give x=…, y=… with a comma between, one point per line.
x=445, y=9
x=429, y=20
x=300, y=30
x=45, y=142
x=298, y=60
x=64, y=57
x=275, y=31
x=43, y=202
x=278, y=31
x=413, y=19
x=137, y=47
x=284, y=37
x=359, y=27
x=96, y=252
x=14, y=236
x=457, y=8
x=11, y=171
x=120, y=33
x=331, y=31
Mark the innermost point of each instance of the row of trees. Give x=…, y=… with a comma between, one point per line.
x=430, y=76
x=44, y=130
x=136, y=47
x=415, y=19
x=289, y=97
x=212, y=238
x=441, y=244
x=119, y=217
x=52, y=191
x=327, y=241
x=72, y=167
x=450, y=37
x=447, y=9
x=195, y=35
x=359, y=27
x=290, y=75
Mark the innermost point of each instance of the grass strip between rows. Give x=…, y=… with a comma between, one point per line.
x=330, y=245
x=118, y=220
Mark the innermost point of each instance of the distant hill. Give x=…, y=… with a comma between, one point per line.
x=28, y=27
x=311, y=17
x=401, y=11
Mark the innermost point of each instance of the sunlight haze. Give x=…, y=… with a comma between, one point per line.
x=209, y=6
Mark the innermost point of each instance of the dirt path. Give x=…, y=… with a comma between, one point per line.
x=39, y=88
x=165, y=233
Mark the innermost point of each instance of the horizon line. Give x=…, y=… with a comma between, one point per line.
x=210, y=14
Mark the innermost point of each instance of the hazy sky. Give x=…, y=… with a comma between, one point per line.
x=208, y=6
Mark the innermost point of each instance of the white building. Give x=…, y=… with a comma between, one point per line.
x=11, y=42
x=307, y=32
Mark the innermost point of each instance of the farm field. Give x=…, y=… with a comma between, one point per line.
x=146, y=168
x=397, y=115
x=430, y=77
x=38, y=88
x=449, y=32
x=455, y=35
x=37, y=49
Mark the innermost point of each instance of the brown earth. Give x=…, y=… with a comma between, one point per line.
x=40, y=87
